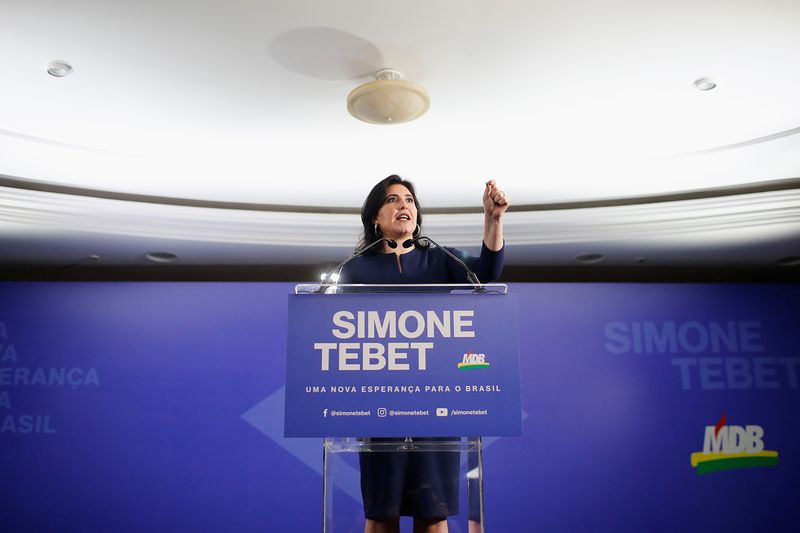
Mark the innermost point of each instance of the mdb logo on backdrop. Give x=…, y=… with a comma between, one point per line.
x=727, y=447
x=473, y=361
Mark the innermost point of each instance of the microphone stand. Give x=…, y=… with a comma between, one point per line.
x=326, y=280
x=471, y=276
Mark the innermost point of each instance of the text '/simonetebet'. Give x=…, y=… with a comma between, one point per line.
x=395, y=355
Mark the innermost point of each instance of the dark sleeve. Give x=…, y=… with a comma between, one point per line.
x=487, y=267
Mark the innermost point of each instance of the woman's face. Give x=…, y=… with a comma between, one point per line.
x=398, y=215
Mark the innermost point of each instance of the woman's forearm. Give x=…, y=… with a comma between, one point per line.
x=492, y=232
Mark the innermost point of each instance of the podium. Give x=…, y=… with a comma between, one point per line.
x=388, y=375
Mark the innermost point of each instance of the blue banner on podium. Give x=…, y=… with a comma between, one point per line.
x=402, y=365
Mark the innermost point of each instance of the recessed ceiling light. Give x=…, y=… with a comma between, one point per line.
x=590, y=259
x=161, y=257
x=58, y=68
x=792, y=260
x=705, y=84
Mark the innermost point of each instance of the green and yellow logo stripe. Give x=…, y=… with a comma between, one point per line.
x=472, y=366
x=714, y=462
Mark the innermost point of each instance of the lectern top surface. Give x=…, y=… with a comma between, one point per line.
x=451, y=288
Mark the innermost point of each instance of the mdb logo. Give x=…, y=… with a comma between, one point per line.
x=728, y=447
x=441, y=411
x=472, y=361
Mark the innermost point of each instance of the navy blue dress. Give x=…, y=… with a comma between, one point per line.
x=423, y=265
x=412, y=483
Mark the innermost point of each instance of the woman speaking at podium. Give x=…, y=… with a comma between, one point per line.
x=421, y=485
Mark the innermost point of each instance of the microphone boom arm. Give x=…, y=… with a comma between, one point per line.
x=326, y=280
x=471, y=276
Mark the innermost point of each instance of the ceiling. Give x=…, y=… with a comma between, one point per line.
x=218, y=131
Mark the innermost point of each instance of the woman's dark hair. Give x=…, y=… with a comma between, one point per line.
x=375, y=200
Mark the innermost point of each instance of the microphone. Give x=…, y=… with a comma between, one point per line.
x=471, y=276
x=392, y=244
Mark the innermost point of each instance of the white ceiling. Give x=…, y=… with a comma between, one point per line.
x=243, y=102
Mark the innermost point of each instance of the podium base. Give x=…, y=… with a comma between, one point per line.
x=402, y=477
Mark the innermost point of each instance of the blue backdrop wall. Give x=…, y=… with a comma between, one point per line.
x=159, y=407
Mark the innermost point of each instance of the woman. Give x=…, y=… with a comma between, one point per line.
x=392, y=211
x=424, y=486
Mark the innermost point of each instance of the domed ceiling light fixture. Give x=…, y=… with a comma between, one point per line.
x=388, y=100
